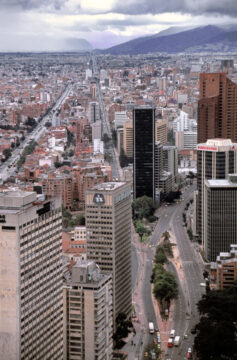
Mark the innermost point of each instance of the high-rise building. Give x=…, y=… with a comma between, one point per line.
x=128, y=139
x=31, y=306
x=94, y=112
x=217, y=108
x=220, y=214
x=108, y=222
x=216, y=159
x=170, y=160
x=144, y=151
x=161, y=129
x=87, y=313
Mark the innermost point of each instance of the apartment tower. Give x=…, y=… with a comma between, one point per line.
x=31, y=309
x=108, y=223
x=87, y=313
x=216, y=159
x=217, y=108
x=144, y=152
x=128, y=139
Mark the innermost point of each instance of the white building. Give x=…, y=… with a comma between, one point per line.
x=98, y=146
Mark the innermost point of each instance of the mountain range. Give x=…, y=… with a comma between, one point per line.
x=175, y=40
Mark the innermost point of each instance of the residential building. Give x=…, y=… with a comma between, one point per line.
x=108, y=223
x=217, y=107
x=220, y=213
x=87, y=313
x=31, y=308
x=144, y=152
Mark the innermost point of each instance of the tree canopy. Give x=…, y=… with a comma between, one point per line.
x=217, y=330
x=143, y=207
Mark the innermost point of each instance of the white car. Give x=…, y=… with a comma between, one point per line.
x=189, y=350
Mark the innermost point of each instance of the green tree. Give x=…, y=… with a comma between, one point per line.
x=123, y=327
x=143, y=207
x=79, y=220
x=218, y=312
x=160, y=257
x=141, y=229
x=165, y=285
x=7, y=153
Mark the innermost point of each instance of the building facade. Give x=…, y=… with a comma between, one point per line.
x=216, y=159
x=128, y=139
x=226, y=268
x=161, y=130
x=144, y=152
x=108, y=223
x=31, y=325
x=220, y=214
x=87, y=313
x=217, y=107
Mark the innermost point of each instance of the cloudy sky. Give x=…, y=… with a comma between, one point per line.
x=51, y=24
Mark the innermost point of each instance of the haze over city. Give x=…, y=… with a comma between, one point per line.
x=30, y=25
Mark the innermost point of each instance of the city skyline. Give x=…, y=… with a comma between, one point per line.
x=24, y=23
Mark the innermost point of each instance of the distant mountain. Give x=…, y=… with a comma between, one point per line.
x=206, y=38
x=74, y=44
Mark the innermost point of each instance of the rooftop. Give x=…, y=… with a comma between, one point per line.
x=107, y=186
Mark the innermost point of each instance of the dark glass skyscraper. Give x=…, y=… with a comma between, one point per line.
x=144, y=151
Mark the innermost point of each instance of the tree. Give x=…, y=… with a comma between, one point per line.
x=160, y=257
x=218, y=312
x=123, y=328
x=165, y=284
x=141, y=229
x=79, y=220
x=143, y=207
x=7, y=153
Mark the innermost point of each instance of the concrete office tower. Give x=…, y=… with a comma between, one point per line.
x=161, y=129
x=216, y=159
x=170, y=160
x=94, y=112
x=31, y=309
x=144, y=151
x=120, y=118
x=108, y=223
x=220, y=214
x=87, y=313
x=217, y=108
x=128, y=139
x=186, y=140
x=158, y=163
